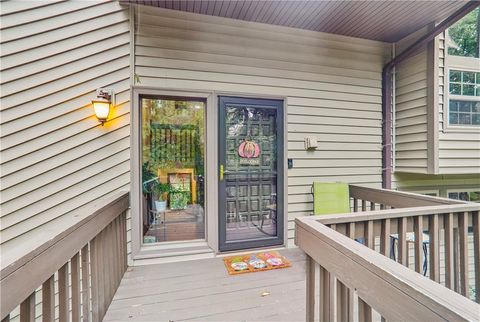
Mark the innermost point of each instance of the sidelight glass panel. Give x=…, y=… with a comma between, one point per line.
x=172, y=155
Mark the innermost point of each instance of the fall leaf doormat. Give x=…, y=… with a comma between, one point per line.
x=257, y=262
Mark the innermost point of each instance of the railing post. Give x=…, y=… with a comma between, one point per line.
x=85, y=284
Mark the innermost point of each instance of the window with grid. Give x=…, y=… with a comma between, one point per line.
x=464, y=98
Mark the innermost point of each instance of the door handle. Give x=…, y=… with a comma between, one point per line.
x=221, y=172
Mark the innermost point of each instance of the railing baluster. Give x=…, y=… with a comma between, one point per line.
x=101, y=274
x=402, y=241
x=342, y=302
x=434, y=248
x=351, y=293
x=369, y=240
x=449, y=252
x=355, y=205
x=364, y=311
x=385, y=238
x=310, y=285
x=85, y=285
x=116, y=245
x=476, y=252
x=463, y=242
x=63, y=298
x=75, y=278
x=324, y=298
x=364, y=205
x=372, y=206
x=27, y=309
x=48, y=300
x=124, y=242
x=94, y=266
x=418, y=227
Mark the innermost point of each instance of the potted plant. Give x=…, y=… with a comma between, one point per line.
x=161, y=191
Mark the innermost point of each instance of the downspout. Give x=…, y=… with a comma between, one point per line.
x=387, y=86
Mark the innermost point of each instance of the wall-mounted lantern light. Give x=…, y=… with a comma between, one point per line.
x=102, y=104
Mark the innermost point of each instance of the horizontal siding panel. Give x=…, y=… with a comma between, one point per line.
x=57, y=159
x=64, y=95
x=406, y=113
x=339, y=163
x=11, y=7
x=86, y=145
x=68, y=81
x=410, y=129
x=234, y=67
x=332, y=146
x=106, y=182
x=411, y=121
x=40, y=13
x=256, y=80
x=59, y=135
x=263, y=62
x=321, y=102
x=310, y=128
x=90, y=11
x=314, y=111
x=23, y=206
x=167, y=34
x=40, y=180
x=331, y=137
x=353, y=179
x=411, y=146
x=35, y=41
x=233, y=49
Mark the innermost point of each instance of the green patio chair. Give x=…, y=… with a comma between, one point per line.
x=330, y=198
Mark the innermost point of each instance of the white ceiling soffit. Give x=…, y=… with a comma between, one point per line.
x=387, y=21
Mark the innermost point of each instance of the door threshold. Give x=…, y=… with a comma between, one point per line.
x=173, y=252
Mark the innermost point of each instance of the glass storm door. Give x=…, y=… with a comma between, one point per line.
x=251, y=173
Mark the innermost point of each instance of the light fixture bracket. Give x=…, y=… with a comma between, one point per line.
x=106, y=94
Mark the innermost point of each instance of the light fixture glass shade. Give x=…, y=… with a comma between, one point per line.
x=102, y=109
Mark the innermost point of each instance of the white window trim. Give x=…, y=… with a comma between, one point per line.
x=463, y=190
x=463, y=64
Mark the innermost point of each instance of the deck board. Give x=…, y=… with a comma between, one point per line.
x=202, y=290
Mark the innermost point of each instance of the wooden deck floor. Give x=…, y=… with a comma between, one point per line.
x=202, y=290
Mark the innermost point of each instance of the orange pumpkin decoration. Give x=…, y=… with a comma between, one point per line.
x=249, y=149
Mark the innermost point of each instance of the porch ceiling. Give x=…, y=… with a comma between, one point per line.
x=387, y=21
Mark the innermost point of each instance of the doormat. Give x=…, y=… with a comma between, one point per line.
x=257, y=262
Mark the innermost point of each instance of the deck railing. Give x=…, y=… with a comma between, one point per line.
x=87, y=262
x=351, y=254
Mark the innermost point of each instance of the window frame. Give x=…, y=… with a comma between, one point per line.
x=457, y=63
x=466, y=190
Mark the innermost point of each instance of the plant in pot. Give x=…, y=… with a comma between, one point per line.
x=161, y=191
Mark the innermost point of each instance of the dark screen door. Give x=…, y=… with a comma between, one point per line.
x=251, y=173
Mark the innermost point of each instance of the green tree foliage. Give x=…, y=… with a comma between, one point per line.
x=464, y=36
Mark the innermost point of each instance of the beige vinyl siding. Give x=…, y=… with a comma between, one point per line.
x=411, y=148
x=56, y=158
x=459, y=149
x=332, y=87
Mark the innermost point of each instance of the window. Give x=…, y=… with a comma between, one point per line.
x=464, y=72
x=473, y=196
x=464, y=99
